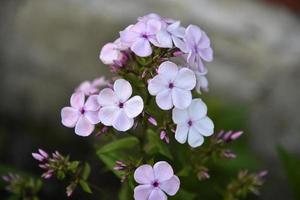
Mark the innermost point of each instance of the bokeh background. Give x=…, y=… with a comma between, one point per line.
x=49, y=46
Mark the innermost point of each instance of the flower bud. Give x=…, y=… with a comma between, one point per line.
x=152, y=121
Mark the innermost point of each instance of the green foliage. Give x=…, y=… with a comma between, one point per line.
x=156, y=145
x=122, y=149
x=86, y=171
x=22, y=187
x=85, y=186
x=291, y=165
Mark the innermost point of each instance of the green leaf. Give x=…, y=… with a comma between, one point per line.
x=124, y=143
x=73, y=166
x=86, y=171
x=85, y=186
x=182, y=194
x=118, y=150
x=291, y=164
x=125, y=192
x=60, y=175
x=156, y=145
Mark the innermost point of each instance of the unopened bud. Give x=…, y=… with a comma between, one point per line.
x=152, y=121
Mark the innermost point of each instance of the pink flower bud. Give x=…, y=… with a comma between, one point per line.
x=37, y=157
x=152, y=121
x=236, y=135
x=178, y=53
x=164, y=136
x=6, y=178
x=120, y=166
x=228, y=154
x=263, y=174
x=43, y=153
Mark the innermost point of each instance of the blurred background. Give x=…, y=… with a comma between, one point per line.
x=49, y=46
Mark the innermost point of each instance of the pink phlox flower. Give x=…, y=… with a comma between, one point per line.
x=89, y=88
x=81, y=115
x=192, y=123
x=172, y=86
x=117, y=108
x=155, y=182
x=113, y=52
x=140, y=36
x=197, y=47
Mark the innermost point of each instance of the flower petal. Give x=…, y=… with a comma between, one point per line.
x=128, y=36
x=157, y=194
x=180, y=116
x=134, y=106
x=185, y=79
x=181, y=98
x=205, y=126
x=122, y=122
x=193, y=34
x=168, y=70
x=107, y=97
x=109, y=53
x=122, y=89
x=153, y=26
x=170, y=186
x=195, y=139
x=179, y=44
x=164, y=39
x=108, y=114
x=142, y=192
x=91, y=103
x=92, y=116
x=142, y=47
x=144, y=174
x=84, y=127
x=204, y=41
x=181, y=133
x=69, y=116
x=206, y=54
x=157, y=84
x=77, y=100
x=197, y=109
x=164, y=99
x=162, y=171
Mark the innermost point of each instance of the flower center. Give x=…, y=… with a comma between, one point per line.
x=144, y=35
x=190, y=123
x=155, y=184
x=171, y=85
x=121, y=105
x=82, y=111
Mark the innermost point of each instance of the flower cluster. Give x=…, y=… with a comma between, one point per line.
x=160, y=74
x=146, y=49
x=22, y=187
x=61, y=167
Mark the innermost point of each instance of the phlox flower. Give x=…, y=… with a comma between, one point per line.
x=81, y=115
x=172, y=86
x=89, y=88
x=139, y=36
x=117, y=108
x=155, y=182
x=202, y=82
x=173, y=33
x=197, y=47
x=112, y=53
x=192, y=123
